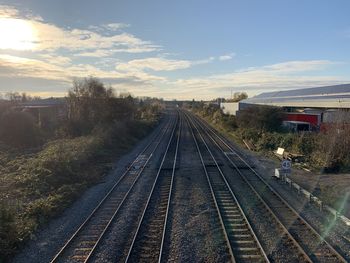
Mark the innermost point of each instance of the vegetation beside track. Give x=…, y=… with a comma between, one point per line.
x=42, y=174
x=323, y=151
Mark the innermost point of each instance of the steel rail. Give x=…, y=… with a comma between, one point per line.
x=213, y=197
x=284, y=229
x=170, y=194
x=165, y=128
x=137, y=233
x=262, y=256
x=298, y=216
x=117, y=210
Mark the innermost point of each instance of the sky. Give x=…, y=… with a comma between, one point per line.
x=183, y=49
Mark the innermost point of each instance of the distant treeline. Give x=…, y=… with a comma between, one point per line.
x=89, y=104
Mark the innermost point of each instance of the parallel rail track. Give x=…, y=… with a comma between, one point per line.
x=147, y=245
x=243, y=245
x=310, y=243
x=82, y=244
x=233, y=186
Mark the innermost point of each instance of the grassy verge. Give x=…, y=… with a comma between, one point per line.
x=38, y=185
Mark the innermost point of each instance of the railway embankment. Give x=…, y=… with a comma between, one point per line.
x=323, y=168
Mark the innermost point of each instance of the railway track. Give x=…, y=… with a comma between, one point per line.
x=147, y=244
x=242, y=243
x=82, y=244
x=243, y=203
x=297, y=232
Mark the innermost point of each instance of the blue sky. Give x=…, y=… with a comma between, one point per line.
x=174, y=49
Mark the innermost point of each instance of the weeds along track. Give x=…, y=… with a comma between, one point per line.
x=294, y=232
x=147, y=245
x=82, y=244
x=242, y=243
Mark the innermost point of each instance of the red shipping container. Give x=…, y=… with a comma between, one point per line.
x=313, y=119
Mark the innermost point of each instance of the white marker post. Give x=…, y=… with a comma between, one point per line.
x=286, y=166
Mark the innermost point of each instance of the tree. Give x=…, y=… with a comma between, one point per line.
x=19, y=129
x=13, y=97
x=87, y=99
x=261, y=118
x=90, y=104
x=238, y=96
x=333, y=144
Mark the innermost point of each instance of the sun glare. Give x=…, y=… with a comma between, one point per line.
x=16, y=34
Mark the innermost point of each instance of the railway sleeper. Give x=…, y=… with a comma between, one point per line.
x=150, y=239
x=78, y=258
x=246, y=251
x=82, y=252
x=244, y=243
x=86, y=243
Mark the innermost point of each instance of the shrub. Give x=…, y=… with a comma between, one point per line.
x=269, y=141
x=8, y=231
x=261, y=118
x=18, y=129
x=249, y=134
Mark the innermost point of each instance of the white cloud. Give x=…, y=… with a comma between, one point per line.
x=8, y=11
x=227, y=57
x=155, y=63
x=115, y=26
x=56, y=59
x=299, y=66
x=95, y=53
x=160, y=64
x=18, y=67
x=13, y=66
x=58, y=55
x=203, y=61
x=287, y=75
x=49, y=37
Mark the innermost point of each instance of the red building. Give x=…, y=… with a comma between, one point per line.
x=313, y=119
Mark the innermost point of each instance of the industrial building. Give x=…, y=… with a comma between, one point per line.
x=306, y=109
x=45, y=111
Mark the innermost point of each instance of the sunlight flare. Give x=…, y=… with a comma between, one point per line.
x=17, y=34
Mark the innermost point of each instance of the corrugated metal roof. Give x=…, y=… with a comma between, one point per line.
x=319, y=91
x=337, y=96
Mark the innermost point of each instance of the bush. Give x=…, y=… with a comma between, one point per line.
x=8, y=231
x=18, y=129
x=59, y=163
x=249, y=134
x=261, y=118
x=269, y=141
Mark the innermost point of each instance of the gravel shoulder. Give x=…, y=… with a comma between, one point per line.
x=337, y=234
x=326, y=186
